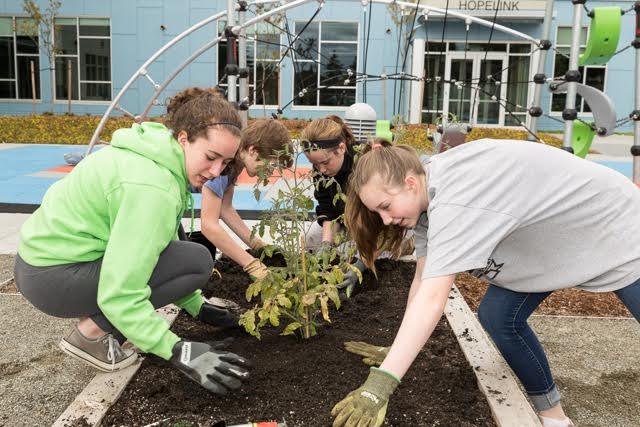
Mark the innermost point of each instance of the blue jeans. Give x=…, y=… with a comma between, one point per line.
x=504, y=313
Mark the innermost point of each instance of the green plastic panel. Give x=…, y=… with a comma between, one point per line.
x=604, y=33
x=383, y=130
x=582, y=138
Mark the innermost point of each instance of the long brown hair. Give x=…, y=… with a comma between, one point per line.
x=366, y=228
x=195, y=110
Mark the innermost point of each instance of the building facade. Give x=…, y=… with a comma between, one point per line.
x=96, y=47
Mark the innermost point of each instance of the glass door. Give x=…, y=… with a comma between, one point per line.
x=490, y=103
x=461, y=71
x=480, y=99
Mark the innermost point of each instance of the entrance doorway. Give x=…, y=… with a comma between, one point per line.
x=480, y=100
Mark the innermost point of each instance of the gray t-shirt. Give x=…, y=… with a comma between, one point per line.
x=529, y=218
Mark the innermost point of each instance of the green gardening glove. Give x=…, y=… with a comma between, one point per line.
x=367, y=405
x=372, y=355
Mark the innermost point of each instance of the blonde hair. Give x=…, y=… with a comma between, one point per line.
x=331, y=127
x=393, y=164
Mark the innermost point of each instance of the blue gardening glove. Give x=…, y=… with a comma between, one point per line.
x=215, y=316
x=351, y=278
x=367, y=405
x=207, y=364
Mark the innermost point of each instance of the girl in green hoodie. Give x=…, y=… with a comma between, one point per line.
x=102, y=247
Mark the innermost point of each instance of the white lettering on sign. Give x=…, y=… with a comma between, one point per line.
x=489, y=4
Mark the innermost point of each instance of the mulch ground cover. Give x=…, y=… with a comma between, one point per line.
x=568, y=302
x=299, y=381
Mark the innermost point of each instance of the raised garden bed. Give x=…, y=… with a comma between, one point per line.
x=299, y=382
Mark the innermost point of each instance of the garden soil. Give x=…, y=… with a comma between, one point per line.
x=299, y=381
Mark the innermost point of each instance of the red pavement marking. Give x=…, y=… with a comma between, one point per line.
x=246, y=179
x=63, y=169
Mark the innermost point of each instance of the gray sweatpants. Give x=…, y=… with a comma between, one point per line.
x=71, y=290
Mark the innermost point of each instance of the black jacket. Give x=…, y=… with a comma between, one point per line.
x=324, y=194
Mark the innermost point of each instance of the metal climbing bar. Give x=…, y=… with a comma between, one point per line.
x=604, y=34
x=572, y=77
x=635, y=115
x=540, y=78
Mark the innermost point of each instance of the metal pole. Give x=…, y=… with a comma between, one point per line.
x=33, y=87
x=231, y=78
x=540, y=78
x=635, y=115
x=69, y=86
x=572, y=76
x=242, y=63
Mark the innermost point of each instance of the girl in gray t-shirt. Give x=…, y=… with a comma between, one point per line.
x=529, y=218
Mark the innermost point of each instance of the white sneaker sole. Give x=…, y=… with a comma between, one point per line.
x=77, y=353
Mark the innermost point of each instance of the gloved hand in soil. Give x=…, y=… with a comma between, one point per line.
x=351, y=277
x=216, y=316
x=372, y=355
x=207, y=364
x=367, y=405
x=271, y=254
x=256, y=269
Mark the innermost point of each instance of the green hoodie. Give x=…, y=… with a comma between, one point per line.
x=124, y=204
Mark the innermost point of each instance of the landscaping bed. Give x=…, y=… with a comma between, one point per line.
x=567, y=302
x=299, y=382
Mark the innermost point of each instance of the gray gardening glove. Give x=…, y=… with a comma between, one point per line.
x=351, y=277
x=205, y=363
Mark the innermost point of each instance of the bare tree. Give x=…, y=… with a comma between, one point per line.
x=41, y=29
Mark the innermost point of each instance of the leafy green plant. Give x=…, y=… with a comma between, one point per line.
x=298, y=294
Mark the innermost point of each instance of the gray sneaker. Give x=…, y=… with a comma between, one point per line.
x=103, y=353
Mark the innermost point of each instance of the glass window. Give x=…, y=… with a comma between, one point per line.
x=339, y=31
x=592, y=75
x=19, y=55
x=28, y=66
x=84, y=44
x=324, y=52
x=433, y=96
x=6, y=26
x=564, y=36
x=519, y=48
x=66, y=37
x=7, y=66
x=94, y=27
x=263, y=57
x=517, y=89
x=66, y=67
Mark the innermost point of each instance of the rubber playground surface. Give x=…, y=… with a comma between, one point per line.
x=28, y=170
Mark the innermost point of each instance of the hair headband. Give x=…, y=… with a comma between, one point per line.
x=322, y=144
x=224, y=123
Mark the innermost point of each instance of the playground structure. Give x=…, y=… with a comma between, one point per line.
x=602, y=44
